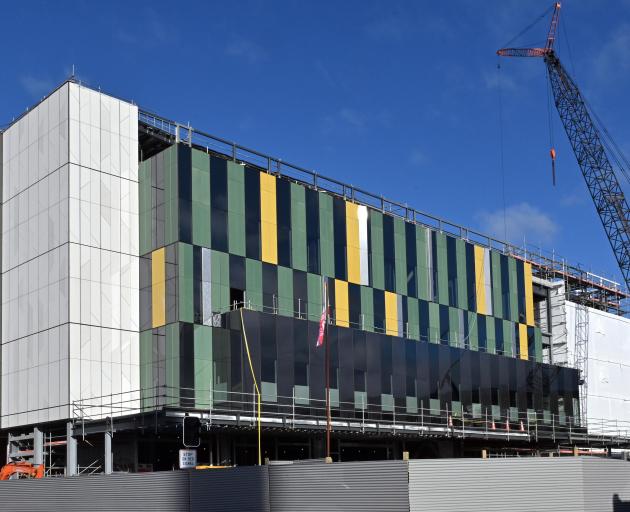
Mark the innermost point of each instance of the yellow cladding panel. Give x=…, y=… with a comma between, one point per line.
x=342, y=310
x=158, y=288
x=391, y=314
x=268, y=219
x=529, y=295
x=480, y=280
x=352, y=243
x=522, y=334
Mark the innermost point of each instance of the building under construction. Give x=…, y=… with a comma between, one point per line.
x=152, y=272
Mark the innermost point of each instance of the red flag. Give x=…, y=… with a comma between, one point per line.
x=322, y=320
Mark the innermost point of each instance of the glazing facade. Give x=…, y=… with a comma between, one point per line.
x=408, y=303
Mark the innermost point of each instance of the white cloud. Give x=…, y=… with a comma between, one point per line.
x=522, y=221
x=248, y=50
x=417, y=158
x=352, y=117
x=35, y=86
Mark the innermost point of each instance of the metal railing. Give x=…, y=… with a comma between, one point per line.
x=460, y=340
x=224, y=408
x=312, y=179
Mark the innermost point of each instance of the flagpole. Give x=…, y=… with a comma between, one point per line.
x=327, y=356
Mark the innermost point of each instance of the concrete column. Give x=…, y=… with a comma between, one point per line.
x=38, y=447
x=71, y=452
x=108, y=453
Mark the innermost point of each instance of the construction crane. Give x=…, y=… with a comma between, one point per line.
x=586, y=141
x=590, y=151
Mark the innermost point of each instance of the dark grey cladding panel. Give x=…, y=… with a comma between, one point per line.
x=244, y=489
x=359, y=486
x=155, y=492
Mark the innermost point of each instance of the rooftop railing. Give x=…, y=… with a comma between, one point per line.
x=279, y=167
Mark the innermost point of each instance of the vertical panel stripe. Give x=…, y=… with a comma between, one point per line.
x=487, y=273
x=363, y=245
x=480, y=280
x=522, y=335
x=342, y=311
x=158, y=288
x=352, y=243
x=268, y=220
x=529, y=295
x=391, y=314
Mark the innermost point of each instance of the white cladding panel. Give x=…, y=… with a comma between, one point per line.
x=608, y=363
x=70, y=255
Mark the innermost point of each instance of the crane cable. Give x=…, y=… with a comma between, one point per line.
x=552, y=148
x=501, y=151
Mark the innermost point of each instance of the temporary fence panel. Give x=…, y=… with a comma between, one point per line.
x=151, y=492
x=361, y=486
x=245, y=489
x=543, y=484
x=606, y=485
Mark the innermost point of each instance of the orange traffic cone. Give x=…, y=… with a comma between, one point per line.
x=522, y=427
x=450, y=421
x=507, y=425
x=494, y=427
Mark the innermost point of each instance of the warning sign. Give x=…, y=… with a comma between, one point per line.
x=187, y=459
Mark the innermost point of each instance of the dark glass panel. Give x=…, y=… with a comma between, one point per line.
x=444, y=325
x=354, y=303
x=389, y=253
x=339, y=223
x=520, y=290
x=379, y=310
x=270, y=286
x=412, y=261
x=186, y=364
x=424, y=320
x=470, y=277
x=283, y=211
x=184, y=188
x=312, y=231
x=451, y=266
x=252, y=213
x=218, y=203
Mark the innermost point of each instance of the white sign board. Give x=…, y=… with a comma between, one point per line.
x=187, y=459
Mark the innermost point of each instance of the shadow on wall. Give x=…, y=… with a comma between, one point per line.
x=619, y=505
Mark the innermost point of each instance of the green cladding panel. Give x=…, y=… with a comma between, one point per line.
x=377, y=254
x=186, y=286
x=200, y=198
x=298, y=227
x=367, y=307
x=491, y=343
x=172, y=363
x=326, y=235
x=236, y=208
x=513, y=290
x=203, y=366
x=400, y=256
x=434, y=322
x=253, y=278
x=462, y=286
x=171, y=204
x=473, y=333
x=314, y=292
x=144, y=206
x=422, y=246
x=442, y=268
x=497, y=297
x=285, y=291
x=413, y=319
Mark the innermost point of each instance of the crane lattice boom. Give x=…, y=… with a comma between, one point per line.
x=608, y=197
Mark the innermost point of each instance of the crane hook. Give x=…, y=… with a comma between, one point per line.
x=552, y=153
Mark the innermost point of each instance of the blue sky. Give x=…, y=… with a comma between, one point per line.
x=399, y=98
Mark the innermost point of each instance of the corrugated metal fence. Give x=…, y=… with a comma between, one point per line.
x=571, y=484
x=521, y=484
x=362, y=486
